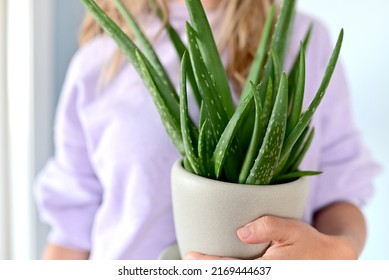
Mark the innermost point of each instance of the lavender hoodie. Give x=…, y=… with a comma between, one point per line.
x=107, y=188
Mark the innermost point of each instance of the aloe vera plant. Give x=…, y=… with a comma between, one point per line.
x=264, y=138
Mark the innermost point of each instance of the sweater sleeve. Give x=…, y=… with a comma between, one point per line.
x=67, y=191
x=347, y=166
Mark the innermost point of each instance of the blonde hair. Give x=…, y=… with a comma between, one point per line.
x=242, y=22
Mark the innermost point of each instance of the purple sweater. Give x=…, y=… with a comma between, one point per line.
x=107, y=188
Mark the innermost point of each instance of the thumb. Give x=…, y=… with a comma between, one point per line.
x=267, y=229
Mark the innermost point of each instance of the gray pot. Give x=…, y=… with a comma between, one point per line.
x=207, y=213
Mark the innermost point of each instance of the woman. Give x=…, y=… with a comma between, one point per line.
x=106, y=193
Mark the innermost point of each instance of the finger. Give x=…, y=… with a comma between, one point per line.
x=267, y=229
x=199, y=256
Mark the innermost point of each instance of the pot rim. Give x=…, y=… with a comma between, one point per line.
x=178, y=165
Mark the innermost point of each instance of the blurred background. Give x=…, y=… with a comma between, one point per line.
x=39, y=37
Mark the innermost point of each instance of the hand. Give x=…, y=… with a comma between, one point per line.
x=291, y=239
x=58, y=252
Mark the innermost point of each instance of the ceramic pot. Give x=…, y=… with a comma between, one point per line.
x=207, y=213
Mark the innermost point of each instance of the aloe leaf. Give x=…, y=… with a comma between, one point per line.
x=266, y=162
x=210, y=53
x=145, y=45
x=129, y=49
x=255, y=73
x=256, y=138
x=298, y=96
x=207, y=143
x=124, y=42
x=176, y=40
x=159, y=86
x=228, y=135
x=245, y=135
x=187, y=165
x=294, y=175
x=267, y=104
x=203, y=114
x=303, y=151
x=279, y=41
x=205, y=149
x=294, y=72
x=286, y=166
x=307, y=116
x=260, y=56
x=212, y=103
x=180, y=49
x=177, y=43
x=282, y=31
x=173, y=35
x=296, y=63
x=189, y=145
x=172, y=126
x=277, y=70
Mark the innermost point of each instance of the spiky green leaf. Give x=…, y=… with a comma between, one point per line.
x=277, y=70
x=260, y=56
x=211, y=99
x=295, y=68
x=266, y=162
x=283, y=29
x=267, y=104
x=214, y=107
x=307, y=116
x=256, y=138
x=206, y=147
x=210, y=53
x=172, y=126
x=293, y=154
x=129, y=49
x=189, y=144
x=294, y=175
x=180, y=49
x=228, y=135
x=298, y=96
x=279, y=42
x=300, y=156
x=145, y=45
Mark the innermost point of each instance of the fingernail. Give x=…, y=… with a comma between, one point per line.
x=245, y=232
